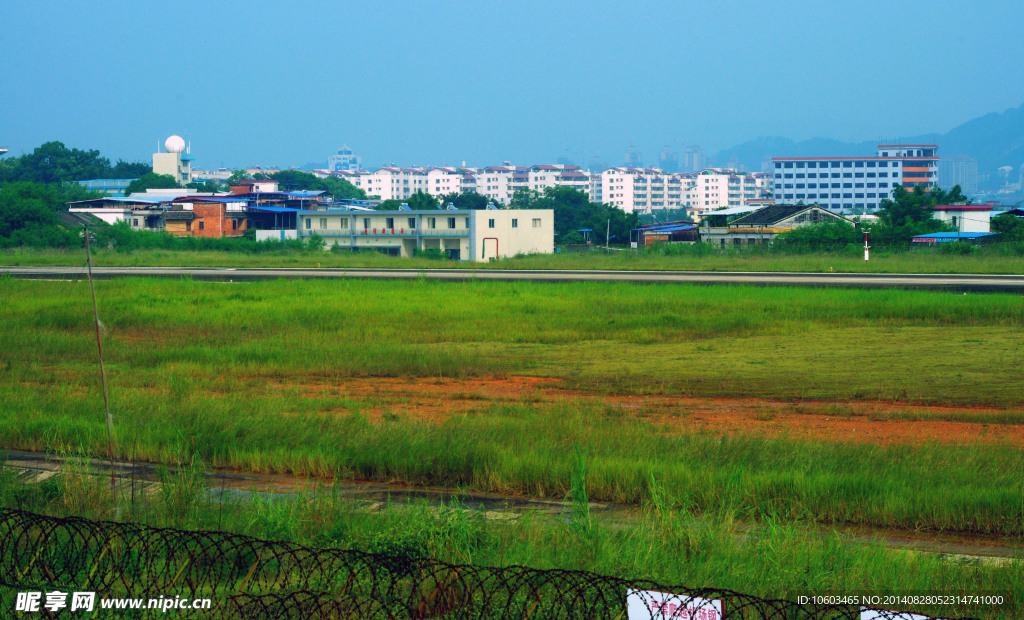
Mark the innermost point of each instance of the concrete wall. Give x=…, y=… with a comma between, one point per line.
x=276, y=235
x=967, y=221
x=110, y=216
x=502, y=234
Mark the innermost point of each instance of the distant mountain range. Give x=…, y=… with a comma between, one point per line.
x=995, y=140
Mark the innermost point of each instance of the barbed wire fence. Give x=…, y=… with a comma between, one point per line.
x=250, y=578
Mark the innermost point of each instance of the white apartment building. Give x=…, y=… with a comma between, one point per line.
x=650, y=189
x=498, y=183
x=718, y=188
x=844, y=184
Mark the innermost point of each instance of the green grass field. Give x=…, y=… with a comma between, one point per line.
x=260, y=376
x=989, y=259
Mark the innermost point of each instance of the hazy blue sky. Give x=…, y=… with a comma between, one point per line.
x=286, y=83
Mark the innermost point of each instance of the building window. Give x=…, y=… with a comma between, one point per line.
x=234, y=224
x=515, y=223
x=536, y=222
x=490, y=223
x=451, y=222
x=344, y=222
x=390, y=222
x=188, y=226
x=135, y=222
x=202, y=225
x=431, y=222
x=308, y=223
x=323, y=222
x=412, y=223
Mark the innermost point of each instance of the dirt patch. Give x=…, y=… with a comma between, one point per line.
x=881, y=423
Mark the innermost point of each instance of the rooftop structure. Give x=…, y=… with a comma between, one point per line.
x=175, y=160
x=344, y=159
x=763, y=225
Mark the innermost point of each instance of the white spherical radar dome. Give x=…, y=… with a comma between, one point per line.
x=174, y=144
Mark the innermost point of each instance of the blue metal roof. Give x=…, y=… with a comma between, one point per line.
x=274, y=209
x=942, y=237
x=660, y=229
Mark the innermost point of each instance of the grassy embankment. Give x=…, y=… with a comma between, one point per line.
x=253, y=376
x=988, y=259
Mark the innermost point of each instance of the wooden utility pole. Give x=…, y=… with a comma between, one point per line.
x=103, y=374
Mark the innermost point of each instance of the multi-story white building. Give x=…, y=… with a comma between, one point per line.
x=460, y=234
x=845, y=184
x=650, y=189
x=498, y=183
x=717, y=188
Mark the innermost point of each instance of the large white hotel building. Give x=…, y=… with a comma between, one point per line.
x=845, y=184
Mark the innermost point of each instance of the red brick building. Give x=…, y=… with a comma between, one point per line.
x=210, y=217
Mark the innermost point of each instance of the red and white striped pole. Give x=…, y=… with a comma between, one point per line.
x=866, y=246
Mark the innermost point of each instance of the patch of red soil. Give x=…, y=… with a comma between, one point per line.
x=880, y=423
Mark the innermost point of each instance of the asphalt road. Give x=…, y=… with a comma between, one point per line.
x=959, y=282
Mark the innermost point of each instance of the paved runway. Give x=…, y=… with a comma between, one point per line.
x=959, y=282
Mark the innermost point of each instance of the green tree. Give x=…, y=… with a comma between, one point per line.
x=342, y=189
x=53, y=162
x=29, y=216
x=151, y=180
x=205, y=186
x=573, y=212
x=831, y=235
x=129, y=170
x=1008, y=227
x=910, y=213
x=296, y=180
x=419, y=201
x=466, y=200
x=237, y=176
